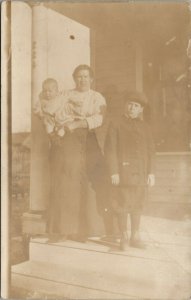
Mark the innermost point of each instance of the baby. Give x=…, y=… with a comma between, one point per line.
x=72, y=109
x=56, y=109
x=49, y=103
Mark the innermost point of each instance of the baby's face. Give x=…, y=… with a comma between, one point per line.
x=49, y=90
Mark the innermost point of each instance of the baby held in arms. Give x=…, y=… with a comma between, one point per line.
x=56, y=108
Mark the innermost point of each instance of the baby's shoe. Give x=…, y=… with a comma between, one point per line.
x=49, y=129
x=61, y=132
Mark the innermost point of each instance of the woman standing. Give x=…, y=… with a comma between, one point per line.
x=69, y=160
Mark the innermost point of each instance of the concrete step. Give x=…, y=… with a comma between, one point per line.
x=59, y=282
x=93, y=250
x=92, y=271
x=100, y=283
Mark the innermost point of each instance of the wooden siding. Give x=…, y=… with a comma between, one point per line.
x=114, y=63
x=173, y=178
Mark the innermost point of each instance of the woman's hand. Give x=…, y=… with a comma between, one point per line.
x=70, y=126
x=115, y=180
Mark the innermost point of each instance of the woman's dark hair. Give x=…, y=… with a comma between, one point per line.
x=83, y=67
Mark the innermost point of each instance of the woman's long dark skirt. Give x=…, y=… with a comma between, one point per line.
x=67, y=207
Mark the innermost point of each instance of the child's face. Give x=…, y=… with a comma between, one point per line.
x=133, y=109
x=49, y=90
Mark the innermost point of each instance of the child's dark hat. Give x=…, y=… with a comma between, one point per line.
x=135, y=96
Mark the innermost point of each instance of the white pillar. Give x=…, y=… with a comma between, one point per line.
x=40, y=48
x=39, y=175
x=5, y=204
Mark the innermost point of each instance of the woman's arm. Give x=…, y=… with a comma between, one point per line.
x=96, y=119
x=97, y=109
x=72, y=125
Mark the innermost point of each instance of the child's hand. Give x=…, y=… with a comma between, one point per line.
x=115, y=180
x=151, y=180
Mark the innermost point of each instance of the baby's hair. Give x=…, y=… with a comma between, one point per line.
x=49, y=81
x=83, y=67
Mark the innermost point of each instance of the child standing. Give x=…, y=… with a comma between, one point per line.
x=129, y=152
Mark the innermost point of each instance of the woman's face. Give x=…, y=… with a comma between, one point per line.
x=83, y=80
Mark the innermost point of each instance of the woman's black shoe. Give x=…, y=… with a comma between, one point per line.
x=54, y=238
x=137, y=243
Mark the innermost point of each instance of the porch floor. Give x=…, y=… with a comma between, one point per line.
x=96, y=270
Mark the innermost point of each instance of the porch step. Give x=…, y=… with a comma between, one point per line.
x=57, y=281
x=94, y=251
x=92, y=271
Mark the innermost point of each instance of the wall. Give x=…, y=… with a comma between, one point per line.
x=21, y=23
x=60, y=44
x=44, y=44
x=114, y=61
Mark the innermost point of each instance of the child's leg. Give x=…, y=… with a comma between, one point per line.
x=137, y=195
x=135, y=240
x=122, y=221
x=135, y=225
x=122, y=217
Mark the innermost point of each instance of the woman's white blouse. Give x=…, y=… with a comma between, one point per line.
x=92, y=106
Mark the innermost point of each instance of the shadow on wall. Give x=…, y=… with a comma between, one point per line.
x=114, y=100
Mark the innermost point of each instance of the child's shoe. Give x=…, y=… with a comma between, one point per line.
x=124, y=241
x=49, y=128
x=61, y=132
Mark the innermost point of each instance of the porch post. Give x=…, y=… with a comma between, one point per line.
x=39, y=175
x=5, y=147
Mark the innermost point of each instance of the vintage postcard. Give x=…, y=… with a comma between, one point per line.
x=96, y=150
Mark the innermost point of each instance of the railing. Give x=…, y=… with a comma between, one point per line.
x=20, y=170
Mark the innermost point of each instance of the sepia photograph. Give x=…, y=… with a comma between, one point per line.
x=96, y=150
